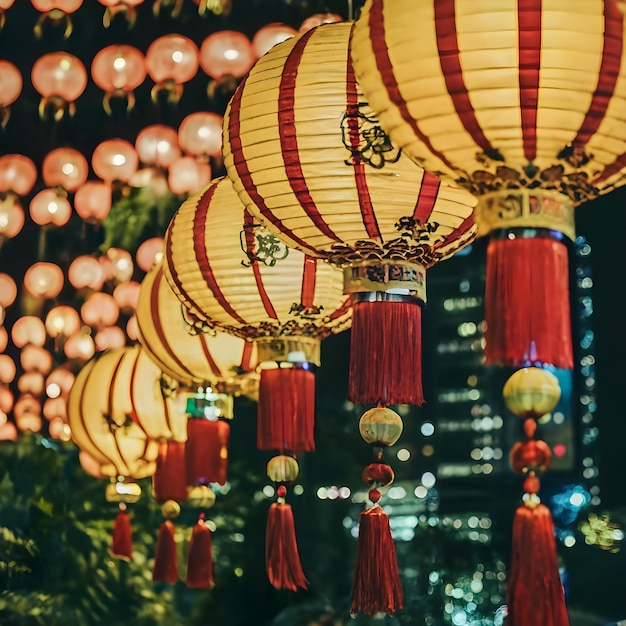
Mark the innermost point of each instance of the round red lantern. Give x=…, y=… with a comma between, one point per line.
x=109, y=338
x=60, y=78
x=62, y=321
x=35, y=359
x=8, y=290
x=7, y=369
x=318, y=19
x=200, y=134
x=226, y=52
x=115, y=159
x=44, y=280
x=186, y=175
x=99, y=310
x=118, y=70
x=149, y=252
x=66, y=168
x=10, y=88
x=49, y=207
x=86, y=272
x=79, y=346
x=126, y=294
x=92, y=201
x=269, y=35
x=157, y=145
x=122, y=266
x=11, y=218
x=18, y=174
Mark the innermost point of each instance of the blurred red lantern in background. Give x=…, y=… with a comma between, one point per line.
x=148, y=252
x=126, y=295
x=318, y=19
x=35, y=359
x=200, y=134
x=122, y=264
x=8, y=290
x=49, y=207
x=92, y=201
x=60, y=78
x=99, y=310
x=10, y=88
x=86, y=271
x=7, y=369
x=62, y=321
x=11, y=218
x=56, y=11
x=28, y=329
x=79, y=346
x=118, y=70
x=115, y=7
x=186, y=175
x=115, y=159
x=110, y=338
x=157, y=145
x=171, y=60
x=66, y=168
x=44, y=280
x=226, y=52
x=18, y=174
x=4, y=339
x=268, y=36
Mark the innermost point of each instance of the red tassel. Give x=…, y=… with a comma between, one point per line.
x=169, y=480
x=376, y=586
x=286, y=410
x=386, y=353
x=206, y=451
x=122, y=543
x=200, y=557
x=527, y=307
x=165, y=559
x=535, y=593
x=282, y=559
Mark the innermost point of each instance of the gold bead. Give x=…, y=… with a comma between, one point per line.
x=282, y=469
x=380, y=426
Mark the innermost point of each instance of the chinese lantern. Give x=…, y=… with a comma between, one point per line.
x=8, y=290
x=28, y=329
x=149, y=252
x=157, y=145
x=79, y=346
x=226, y=52
x=66, y=168
x=526, y=123
x=323, y=185
x=7, y=369
x=99, y=310
x=115, y=160
x=118, y=70
x=62, y=321
x=44, y=280
x=171, y=61
x=92, y=201
x=11, y=218
x=35, y=359
x=109, y=338
x=10, y=86
x=50, y=208
x=60, y=78
x=18, y=174
x=85, y=272
x=55, y=11
x=269, y=35
x=318, y=19
x=126, y=294
x=200, y=135
x=186, y=176
x=241, y=279
x=534, y=590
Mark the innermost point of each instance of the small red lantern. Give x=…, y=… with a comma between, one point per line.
x=115, y=160
x=48, y=207
x=200, y=135
x=44, y=280
x=92, y=201
x=226, y=52
x=269, y=35
x=66, y=168
x=157, y=145
x=10, y=88
x=18, y=174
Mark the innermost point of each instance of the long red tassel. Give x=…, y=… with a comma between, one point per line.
x=169, y=480
x=200, y=557
x=165, y=559
x=376, y=586
x=282, y=559
x=535, y=593
x=286, y=410
x=206, y=451
x=122, y=542
x=386, y=353
x=527, y=308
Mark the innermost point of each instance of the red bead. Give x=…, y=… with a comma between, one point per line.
x=374, y=495
x=531, y=484
x=281, y=491
x=530, y=456
x=530, y=427
x=378, y=473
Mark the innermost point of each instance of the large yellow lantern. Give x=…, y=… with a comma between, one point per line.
x=311, y=162
x=522, y=104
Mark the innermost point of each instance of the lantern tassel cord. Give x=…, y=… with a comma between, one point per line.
x=165, y=567
x=200, y=557
x=282, y=559
x=386, y=353
x=527, y=308
x=535, y=593
x=376, y=586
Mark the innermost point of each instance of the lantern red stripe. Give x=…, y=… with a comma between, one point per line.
x=426, y=198
x=365, y=200
x=172, y=269
x=376, y=26
x=248, y=224
x=244, y=175
x=611, y=169
x=449, y=59
x=246, y=357
x=199, y=227
x=209, y=357
x=307, y=295
x=609, y=71
x=289, y=141
x=156, y=320
x=457, y=234
x=341, y=311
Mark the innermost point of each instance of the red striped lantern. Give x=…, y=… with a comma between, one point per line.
x=521, y=105
x=238, y=277
x=311, y=163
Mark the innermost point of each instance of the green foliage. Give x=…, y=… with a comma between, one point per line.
x=137, y=215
